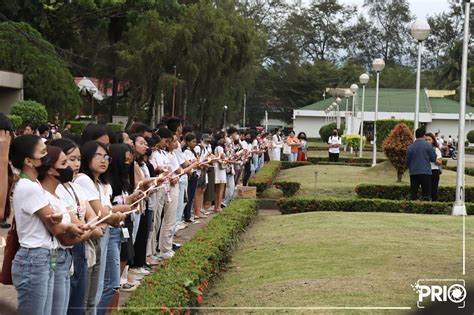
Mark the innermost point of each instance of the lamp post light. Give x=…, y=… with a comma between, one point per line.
x=377, y=65
x=338, y=118
x=470, y=117
x=225, y=116
x=459, y=207
x=347, y=94
x=420, y=30
x=338, y=121
x=354, y=88
x=363, y=79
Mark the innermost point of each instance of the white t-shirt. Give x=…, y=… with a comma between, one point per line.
x=277, y=143
x=173, y=162
x=334, y=140
x=59, y=206
x=69, y=194
x=90, y=190
x=28, y=198
x=438, y=156
x=178, y=152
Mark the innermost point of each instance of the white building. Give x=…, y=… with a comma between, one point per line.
x=437, y=113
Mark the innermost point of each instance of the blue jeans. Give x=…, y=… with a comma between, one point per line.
x=112, y=270
x=62, y=282
x=229, y=189
x=183, y=186
x=293, y=157
x=78, y=280
x=34, y=280
x=104, y=244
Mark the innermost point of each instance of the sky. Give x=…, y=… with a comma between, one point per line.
x=419, y=8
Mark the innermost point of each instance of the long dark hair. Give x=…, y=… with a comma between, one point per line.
x=217, y=137
x=93, y=132
x=435, y=143
x=88, y=150
x=65, y=144
x=188, y=138
x=119, y=172
x=22, y=147
x=53, y=153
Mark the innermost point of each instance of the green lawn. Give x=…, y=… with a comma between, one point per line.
x=341, y=259
x=365, y=154
x=340, y=181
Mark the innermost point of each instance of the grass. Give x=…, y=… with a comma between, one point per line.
x=365, y=154
x=341, y=259
x=340, y=181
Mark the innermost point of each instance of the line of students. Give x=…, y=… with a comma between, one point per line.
x=91, y=219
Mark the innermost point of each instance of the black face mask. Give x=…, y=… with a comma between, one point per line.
x=65, y=174
x=334, y=133
x=45, y=165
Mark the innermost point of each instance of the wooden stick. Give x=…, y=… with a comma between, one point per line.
x=131, y=211
x=101, y=220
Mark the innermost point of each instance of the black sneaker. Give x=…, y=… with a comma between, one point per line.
x=176, y=246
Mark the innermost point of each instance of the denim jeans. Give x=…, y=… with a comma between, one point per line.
x=112, y=270
x=78, y=280
x=92, y=281
x=293, y=156
x=183, y=187
x=62, y=282
x=229, y=189
x=192, y=186
x=104, y=244
x=34, y=280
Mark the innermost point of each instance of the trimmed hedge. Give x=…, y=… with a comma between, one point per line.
x=467, y=170
x=326, y=131
x=16, y=121
x=346, y=160
x=402, y=192
x=77, y=127
x=30, y=112
x=264, y=177
x=305, y=204
x=288, y=188
x=182, y=280
x=345, y=163
x=115, y=127
x=286, y=165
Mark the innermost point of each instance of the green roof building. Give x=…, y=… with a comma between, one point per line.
x=438, y=113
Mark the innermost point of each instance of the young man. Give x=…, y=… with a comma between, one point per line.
x=420, y=154
x=334, y=143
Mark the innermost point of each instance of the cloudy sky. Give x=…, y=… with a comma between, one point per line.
x=420, y=8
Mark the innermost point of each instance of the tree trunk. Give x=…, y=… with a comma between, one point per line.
x=113, y=104
x=399, y=176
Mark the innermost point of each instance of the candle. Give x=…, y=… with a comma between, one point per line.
x=3, y=242
x=101, y=220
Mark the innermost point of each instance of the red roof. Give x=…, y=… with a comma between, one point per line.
x=106, y=89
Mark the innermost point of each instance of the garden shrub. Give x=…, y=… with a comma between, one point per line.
x=288, y=188
x=182, y=280
x=396, y=146
x=384, y=127
x=401, y=192
x=470, y=136
x=467, y=170
x=352, y=141
x=286, y=165
x=308, y=204
x=264, y=177
x=326, y=131
x=30, y=112
x=77, y=127
x=115, y=127
x=16, y=121
x=345, y=160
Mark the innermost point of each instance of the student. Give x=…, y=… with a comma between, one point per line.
x=37, y=225
x=303, y=148
x=435, y=166
x=83, y=253
x=191, y=156
x=94, y=183
x=334, y=143
x=277, y=144
x=294, y=143
x=202, y=182
x=220, y=171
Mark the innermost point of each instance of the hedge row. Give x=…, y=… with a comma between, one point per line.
x=78, y=126
x=467, y=170
x=264, y=177
x=401, y=192
x=182, y=280
x=287, y=165
x=346, y=160
x=305, y=204
x=289, y=188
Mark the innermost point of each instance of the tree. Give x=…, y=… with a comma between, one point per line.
x=396, y=146
x=30, y=112
x=46, y=78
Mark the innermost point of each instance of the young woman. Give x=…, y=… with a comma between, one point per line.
x=435, y=167
x=201, y=185
x=37, y=225
x=294, y=143
x=220, y=172
x=277, y=145
x=94, y=183
x=303, y=148
x=190, y=155
x=83, y=253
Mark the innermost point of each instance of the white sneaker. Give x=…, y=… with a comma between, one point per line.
x=167, y=255
x=139, y=271
x=181, y=226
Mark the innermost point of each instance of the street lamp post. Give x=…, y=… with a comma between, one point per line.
x=354, y=88
x=420, y=31
x=363, y=79
x=470, y=117
x=347, y=94
x=459, y=207
x=377, y=65
x=225, y=116
x=338, y=121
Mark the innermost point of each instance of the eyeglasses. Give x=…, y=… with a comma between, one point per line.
x=99, y=157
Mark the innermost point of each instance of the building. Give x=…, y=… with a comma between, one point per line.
x=11, y=90
x=437, y=112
